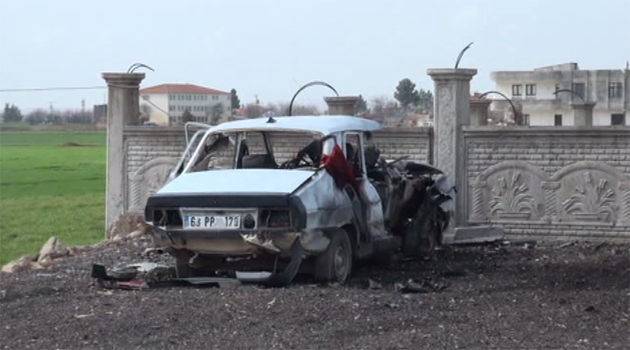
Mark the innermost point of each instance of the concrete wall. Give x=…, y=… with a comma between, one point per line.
x=549, y=183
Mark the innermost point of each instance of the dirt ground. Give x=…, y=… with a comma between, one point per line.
x=548, y=296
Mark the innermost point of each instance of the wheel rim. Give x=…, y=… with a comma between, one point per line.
x=340, y=263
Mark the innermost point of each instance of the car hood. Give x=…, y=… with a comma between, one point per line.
x=237, y=181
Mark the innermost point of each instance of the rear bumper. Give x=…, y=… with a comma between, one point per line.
x=238, y=243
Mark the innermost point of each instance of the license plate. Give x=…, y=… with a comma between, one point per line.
x=212, y=222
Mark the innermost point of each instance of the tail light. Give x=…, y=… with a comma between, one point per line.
x=276, y=218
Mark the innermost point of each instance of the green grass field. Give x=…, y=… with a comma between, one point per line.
x=49, y=190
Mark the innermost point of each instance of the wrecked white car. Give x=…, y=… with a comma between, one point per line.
x=244, y=200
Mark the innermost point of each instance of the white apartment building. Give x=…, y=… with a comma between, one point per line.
x=165, y=104
x=533, y=92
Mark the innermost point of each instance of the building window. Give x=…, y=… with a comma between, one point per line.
x=618, y=119
x=530, y=89
x=557, y=120
x=614, y=90
x=580, y=90
x=171, y=108
x=525, y=119
x=517, y=90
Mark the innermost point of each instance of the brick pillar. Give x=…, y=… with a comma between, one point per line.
x=123, y=109
x=479, y=112
x=583, y=113
x=451, y=111
x=342, y=105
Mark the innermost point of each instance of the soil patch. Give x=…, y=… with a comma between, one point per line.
x=495, y=297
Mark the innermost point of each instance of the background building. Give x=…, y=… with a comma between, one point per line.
x=533, y=93
x=165, y=104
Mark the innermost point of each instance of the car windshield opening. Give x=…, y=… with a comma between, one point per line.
x=261, y=150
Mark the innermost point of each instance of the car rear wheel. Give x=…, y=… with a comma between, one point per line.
x=184, y=270
x=421, y=238
x=428, y=242
x=335, y=264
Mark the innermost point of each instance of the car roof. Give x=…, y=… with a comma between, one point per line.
x=325, y=125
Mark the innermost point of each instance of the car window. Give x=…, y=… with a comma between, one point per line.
x=353, y=152
x=217, y=153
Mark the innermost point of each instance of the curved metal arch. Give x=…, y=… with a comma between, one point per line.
x=312, y=83
x=505, y=97
x=135, y=66
x=461, y=53
x=571, y=91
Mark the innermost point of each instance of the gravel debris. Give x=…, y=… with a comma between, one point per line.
x=552, y=295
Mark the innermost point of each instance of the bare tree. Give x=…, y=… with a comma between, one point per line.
x=145, y=112
x=216, y=113
x=187, y=116
x=382, y=108
x=253, y=110
x=37, y=116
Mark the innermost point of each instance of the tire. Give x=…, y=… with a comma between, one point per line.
x=184, y=270
x=335, y=264
x=421, y=238
x=428, y=242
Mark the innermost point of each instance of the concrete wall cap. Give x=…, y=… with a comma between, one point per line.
x=586, y=104
x=129, y=78
x=451, y=74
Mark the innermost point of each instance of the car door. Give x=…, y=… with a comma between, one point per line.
x=372, y=210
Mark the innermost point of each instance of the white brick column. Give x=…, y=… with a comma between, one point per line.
x=479, y=112
x=342, y=105
x=583, y=113
x=451, y=112
x=123, y=108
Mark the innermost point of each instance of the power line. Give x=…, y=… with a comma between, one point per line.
x=158, y=107
x=55, y=88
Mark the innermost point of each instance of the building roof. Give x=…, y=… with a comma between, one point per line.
x=181, y=89
x=325, y=125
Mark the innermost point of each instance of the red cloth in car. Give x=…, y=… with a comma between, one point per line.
x=337, y=166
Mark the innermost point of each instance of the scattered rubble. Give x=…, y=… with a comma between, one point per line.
x=374, y=285
x=51, y=250
x=499, y=296
x=23, y=263
x=426, y=286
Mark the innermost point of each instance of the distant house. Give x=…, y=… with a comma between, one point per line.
x=534, y=93
x=165, y=104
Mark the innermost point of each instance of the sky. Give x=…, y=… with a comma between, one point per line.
x=270, y=48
